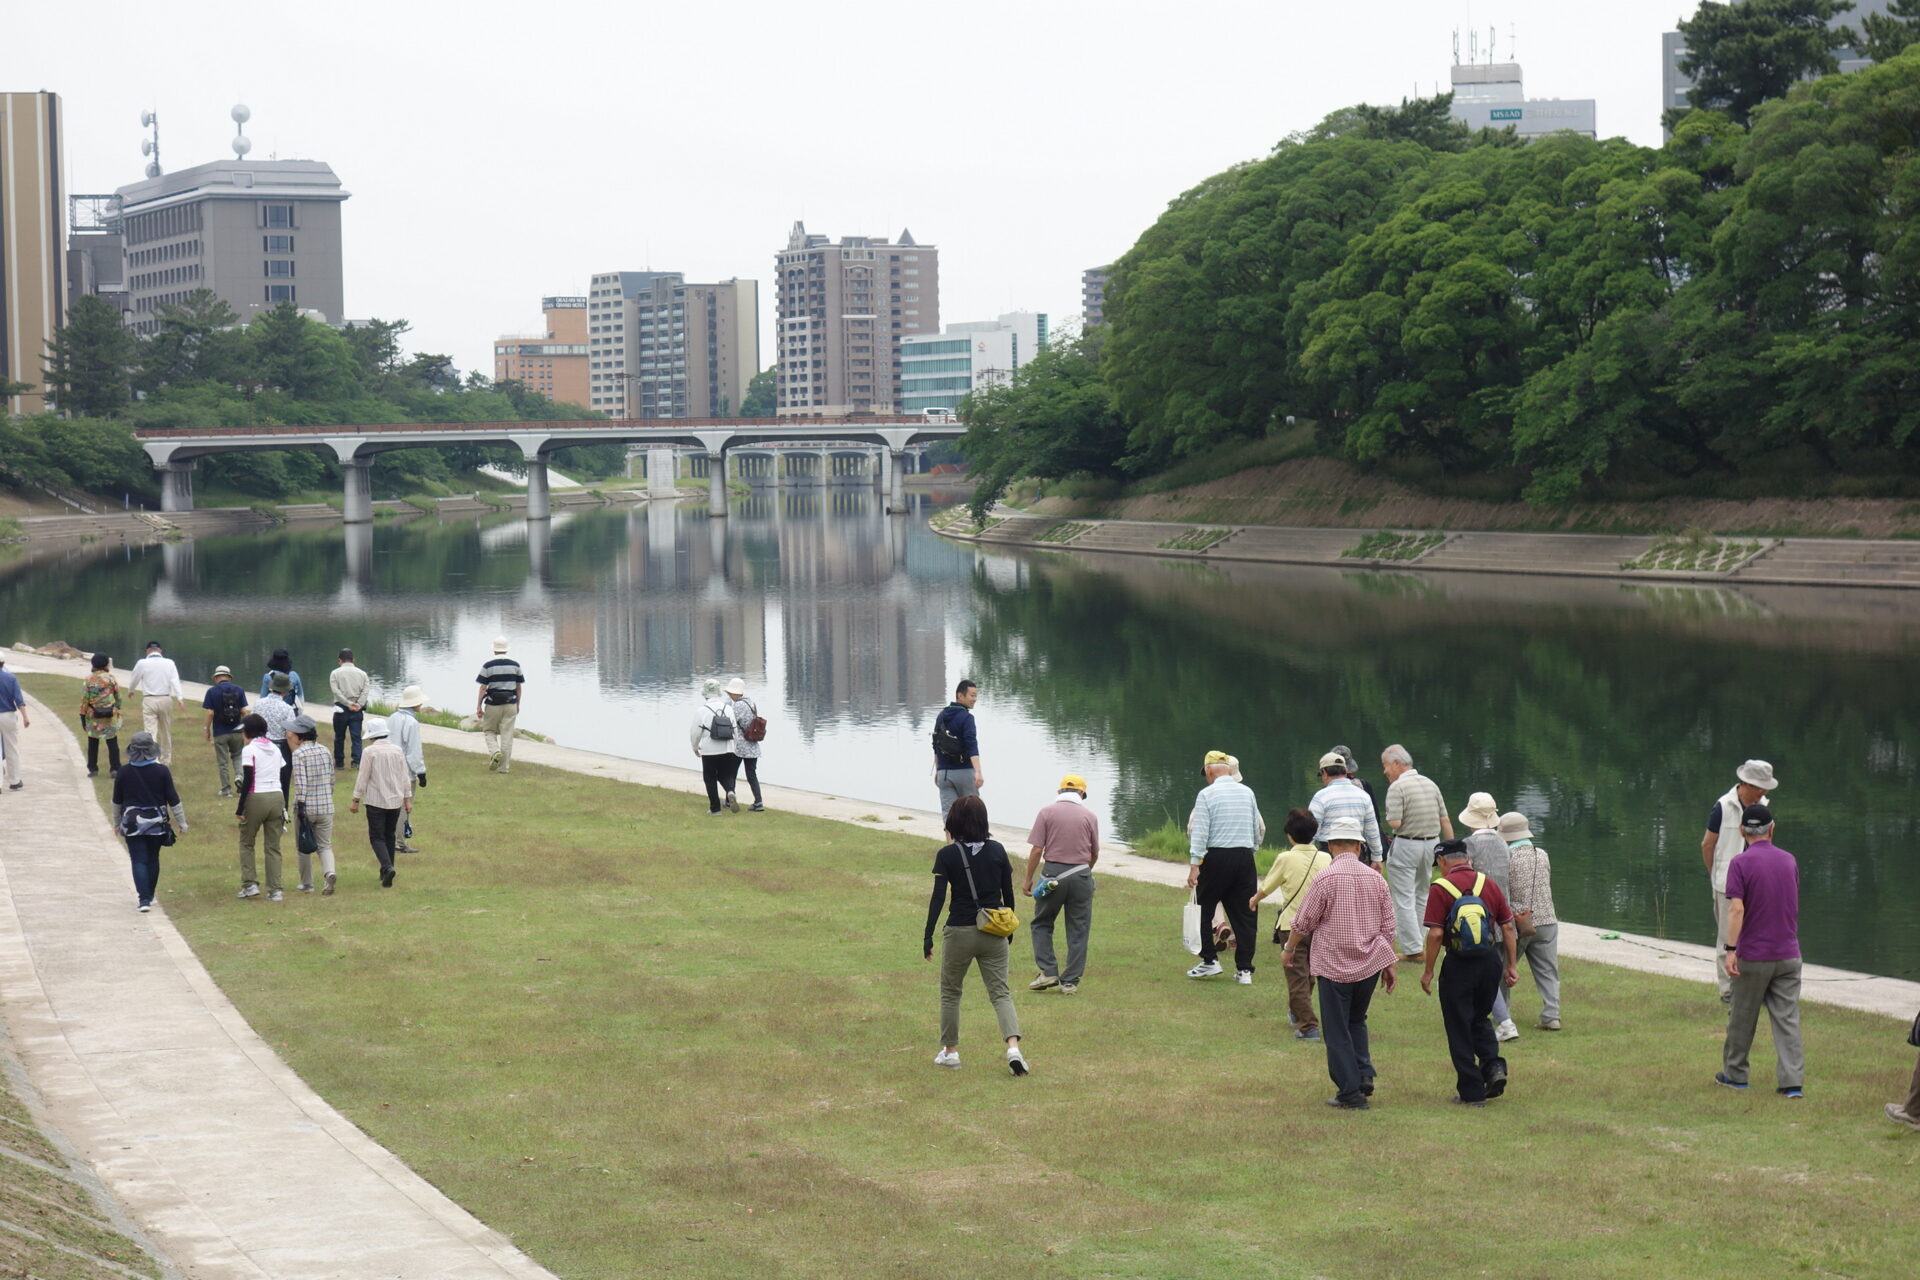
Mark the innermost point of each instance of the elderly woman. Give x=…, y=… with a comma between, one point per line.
x=146, y=812
x=712, y=734
x=1488, y=853
x=281, y=665
x=1531, y=897
x=100, y=700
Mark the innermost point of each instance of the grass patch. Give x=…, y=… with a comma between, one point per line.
x=1229, y=459
x=1065, y=531
x=959, y=520
x=557, y=1018
x=1695, y=551
x=1388, y=545
x=9, y=528
x=1195, y=539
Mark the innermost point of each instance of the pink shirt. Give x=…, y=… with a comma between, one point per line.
x=1066, y=832
x=1350, y=915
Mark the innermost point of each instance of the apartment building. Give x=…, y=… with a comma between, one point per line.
x=936, y=369
x=257, y=233
x=33, y=260
x=844, y=308
x=552, y=361
x=659, y=347
x=1093, y=296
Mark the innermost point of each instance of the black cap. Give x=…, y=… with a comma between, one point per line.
x=1449, y=849
x=155, y=644
x=1756, y=818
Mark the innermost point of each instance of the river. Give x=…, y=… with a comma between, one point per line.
x=1611, y=713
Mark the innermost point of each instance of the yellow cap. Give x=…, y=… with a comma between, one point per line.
x=1216, y=757
x=1074, y=782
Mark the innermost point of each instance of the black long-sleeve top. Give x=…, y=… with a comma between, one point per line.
x=145, y=786
x=992, y=875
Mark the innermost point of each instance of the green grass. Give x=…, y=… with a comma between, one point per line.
x=1695, y=551
x=1065, y=531
x=645, y=1042
x=1195, y=539
x=9, y=527
x=1388, y=545
x=1283, y=445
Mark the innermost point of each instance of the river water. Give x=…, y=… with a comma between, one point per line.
x=1611, y=713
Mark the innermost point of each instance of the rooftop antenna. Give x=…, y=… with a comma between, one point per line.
x=1456, y=46
x=241, y=142
x=1493, y=41
x=150, y=147
x=1513, y=43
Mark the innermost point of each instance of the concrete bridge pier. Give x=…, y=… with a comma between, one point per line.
x=662, y=465
x=896, y=482
x=539, y=506
x=358, y=504
x=176, y=486
x=717, y=484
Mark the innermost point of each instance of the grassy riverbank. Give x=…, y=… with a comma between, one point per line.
x=643, y=1041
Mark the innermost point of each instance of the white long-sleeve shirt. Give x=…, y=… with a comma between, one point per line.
x=703, y=742
x=403, y=730
x=156, y=677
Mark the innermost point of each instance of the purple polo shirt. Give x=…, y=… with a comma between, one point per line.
x=1767, y=879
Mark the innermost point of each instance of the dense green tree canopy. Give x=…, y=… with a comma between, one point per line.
x=1740, y=55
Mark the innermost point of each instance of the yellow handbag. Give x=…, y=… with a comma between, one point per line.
x=998, y=921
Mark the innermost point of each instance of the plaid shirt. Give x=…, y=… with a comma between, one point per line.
x=1349, y=914
x=313, y=779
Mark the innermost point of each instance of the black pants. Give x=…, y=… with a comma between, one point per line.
x=93, y=752
x=1227, y=879
x=1343, y=1027
x=719, y=773
x=753, y=775
x=346, y=724
x=381, y=826
x=1468, y=982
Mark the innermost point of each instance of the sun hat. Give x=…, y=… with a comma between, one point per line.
x=411, y=697
x=142, y=748
x=281, y=682
x=1216, y=757
x=710, y=688
x=1757, y=773
x=223, y=671
x=375, y=727
x=499, y=644
x=1346, y=758
x=1755, y=818
x=1481, y=812
x=1333, y=760
x=1513, y=826
x=1073, y=782
x=736, y=685
x=1343, y=829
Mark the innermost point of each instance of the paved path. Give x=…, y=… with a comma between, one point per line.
x=193, y=1121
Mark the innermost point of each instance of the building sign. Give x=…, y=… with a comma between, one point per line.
x=1507, y=113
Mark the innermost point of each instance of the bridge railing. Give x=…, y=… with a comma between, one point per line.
x=590, y=426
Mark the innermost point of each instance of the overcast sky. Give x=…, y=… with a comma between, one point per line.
x=501, y=152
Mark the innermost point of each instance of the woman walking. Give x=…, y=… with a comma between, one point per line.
x=100, y=700
x=745, y=745
x=975, y=870
x=385, y=783
x=1530, y=877
x=146, y=812
x=712, y=734
x=1489, y=854
x=281, y=664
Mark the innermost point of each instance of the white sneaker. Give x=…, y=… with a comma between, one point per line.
x=947, y=1058
x=276, y=896
x=248, y=890
x=1506, y=1031
x=1016, y=1060
x=1042, y=982
x=1205, y=969
x=1244, y=977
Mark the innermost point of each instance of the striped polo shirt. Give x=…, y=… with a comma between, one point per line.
x=1225, y=816
x=1343, y=799
x=1414, y=800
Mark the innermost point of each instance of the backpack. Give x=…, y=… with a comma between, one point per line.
x=1469, y=926
x=233, y=706
x=945, y=741
x=755, y=730
x=720, y=728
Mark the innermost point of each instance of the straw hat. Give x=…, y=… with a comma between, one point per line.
x=1481, y=812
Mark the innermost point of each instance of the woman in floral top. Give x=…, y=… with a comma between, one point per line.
x=100, y=715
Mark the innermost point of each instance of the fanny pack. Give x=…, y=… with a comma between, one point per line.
x=1048, y=884
x=998, y=921
x=147, y=821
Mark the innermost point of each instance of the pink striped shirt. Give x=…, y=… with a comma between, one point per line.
x=1350, y=915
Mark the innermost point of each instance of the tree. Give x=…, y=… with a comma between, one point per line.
x=434, y=372
x=9, y=388
x=88, y=359
x=759, y=401
x=1883, y=36
x=1057, y=417
x=196, y=339
x=1740, y=55
x=376, y=344
x=301, y=357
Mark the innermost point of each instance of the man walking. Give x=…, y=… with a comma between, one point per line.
x=1762, y=953
x=350, y=686
x=403, y=731
x=503, y=691
x=313, y=801
x=1417, y=815
x=956, y=748
x=1064, y=845
x=1468, y=915
x=13, y=718
x=1348, y=917
x=1223, y=834
x=157, y=680
x=226, y=707
x=1339, y=797
x=1753, y=782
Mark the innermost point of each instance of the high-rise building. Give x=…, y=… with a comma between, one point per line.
x=256, y=232
x=843, y=310
x=1093, y=296
x=1490, y=95
x=96, y=250
x=553, y=361
x=33, y=261
x=1675, y=84
x=936, y=369
x=659, y=347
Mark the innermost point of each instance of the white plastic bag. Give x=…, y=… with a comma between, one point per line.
x=1190, y=924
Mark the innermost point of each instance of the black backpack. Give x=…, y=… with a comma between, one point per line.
x=721, y=728
x=233, y=706
x=945, y=741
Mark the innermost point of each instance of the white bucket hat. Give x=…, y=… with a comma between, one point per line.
x=499, y=644
x=375, y=727
x=1481, y=812
x=1757, y=773
x=1343, y=829
x=411, y=696
x=736, y=685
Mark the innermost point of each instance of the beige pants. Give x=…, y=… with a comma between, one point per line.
x=496, y=723
x=265, y=813
x=10, y=744
x=323, y=837
x=1720, y=945
x=156, y=715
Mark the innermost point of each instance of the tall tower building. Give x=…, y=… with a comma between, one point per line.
x=33, y=259
x=660, y=347
x=1093, y=295
x=843, y=309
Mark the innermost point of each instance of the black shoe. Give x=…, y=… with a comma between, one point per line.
x=92, y=772
x=1467, y=1102
x=1367, y=1089
x=386, y=878
x=757, y=807
x=1497, y=1078
x=1338, y=1105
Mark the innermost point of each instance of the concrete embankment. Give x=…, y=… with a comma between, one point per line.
x=1807, y=562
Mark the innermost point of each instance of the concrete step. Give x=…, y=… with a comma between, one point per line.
x=1313, y=546
x=1538, y=552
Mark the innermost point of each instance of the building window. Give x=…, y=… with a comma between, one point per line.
x=277, y=215
x=276, y=244
x=280, y=293
x=280, y=268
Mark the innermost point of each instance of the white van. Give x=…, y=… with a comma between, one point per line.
x=940, y=415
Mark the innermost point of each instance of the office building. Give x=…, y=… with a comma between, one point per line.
x=1490, y=95
x=936, y=369
x=33, y=261
x=844, y=309
x=1675, y=84
x=256, y=233
x=1093, y=296
x=96, y=250
x=552, y=361
x=659, y=347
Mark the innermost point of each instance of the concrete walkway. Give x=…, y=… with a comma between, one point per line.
x=196, y=1124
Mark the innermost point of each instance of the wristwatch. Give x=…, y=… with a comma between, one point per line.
x=1733, y=946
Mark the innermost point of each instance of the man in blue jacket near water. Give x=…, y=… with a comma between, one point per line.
x=956, y=748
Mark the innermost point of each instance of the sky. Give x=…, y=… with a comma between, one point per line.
x=499, y=153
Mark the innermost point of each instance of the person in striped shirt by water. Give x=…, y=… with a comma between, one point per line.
x=1339, y=797
x=1224, y=833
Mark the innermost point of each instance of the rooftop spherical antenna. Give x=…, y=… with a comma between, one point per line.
x=240, y=113
x=241, y=143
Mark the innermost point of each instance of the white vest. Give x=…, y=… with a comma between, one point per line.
x=1731, y=841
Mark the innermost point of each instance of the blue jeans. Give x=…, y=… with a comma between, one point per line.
x=346, y=724
x=145, y=854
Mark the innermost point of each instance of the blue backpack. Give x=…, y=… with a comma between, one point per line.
x=1469, y=925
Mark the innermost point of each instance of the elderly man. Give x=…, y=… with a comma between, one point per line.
x=157, y=680
x=1468, y=915
x=1348, y=916
x=1063, y=847
x=1417, y=814
x=1762, y=954
x=1222, y=836
x=1753, y=781
x=13, y=718
x=1340, y=797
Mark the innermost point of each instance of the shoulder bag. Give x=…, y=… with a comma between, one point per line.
x=998, y=921
x=1913, y=1036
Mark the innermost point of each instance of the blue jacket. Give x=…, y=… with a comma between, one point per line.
x=960, y=721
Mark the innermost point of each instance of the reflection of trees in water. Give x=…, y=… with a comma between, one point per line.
x=1619, y=726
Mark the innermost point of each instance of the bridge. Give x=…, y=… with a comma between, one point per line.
x=175, y=451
